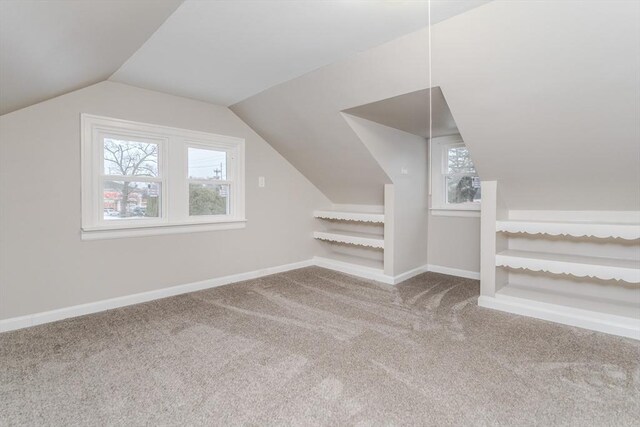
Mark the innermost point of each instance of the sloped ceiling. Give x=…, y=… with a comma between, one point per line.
x=549, y=110
x=225, y=51
x=302, y=118
x=545, y=94
x=48, y=48
x=410, y=113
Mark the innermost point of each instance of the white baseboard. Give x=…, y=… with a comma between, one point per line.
x=95, y=307
x=454, y=272
x=343, y=267
x=409, y=274
x=370, y=273
x=378, y=274
x=610, y=324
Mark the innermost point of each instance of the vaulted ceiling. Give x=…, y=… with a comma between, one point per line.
x=48, y=48
x=549, y=110
x=225, y=51
x=213, y=50
x=552, y=105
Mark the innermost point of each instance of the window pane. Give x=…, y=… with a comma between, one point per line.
x=208, y=199
x=463, y=189
x=130, y=158
x=131, y=200
x=207, y=164
x=459, y=161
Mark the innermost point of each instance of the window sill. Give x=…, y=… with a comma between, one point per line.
x=107, y=232
x=464, y=212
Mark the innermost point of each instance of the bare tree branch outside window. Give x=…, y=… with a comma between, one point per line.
x=131, y=158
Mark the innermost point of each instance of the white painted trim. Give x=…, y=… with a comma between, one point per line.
x=629, y=217
x=437, y=179
x=468, y=213
x=454, y=271
x=117, y=233
x=350, y=238
x=595, y=321
x=409, y=274
x=601, y=230
x=98, y=306
x=123, y=301
x=354, y=269
x=349, y=216
x=378, y=275
x=577, y=265
x=173, y=146
x=389, y=229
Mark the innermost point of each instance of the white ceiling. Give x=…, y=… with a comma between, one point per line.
x=218, y=51
x=226, y=51
x=48, y=48
x=410, y=113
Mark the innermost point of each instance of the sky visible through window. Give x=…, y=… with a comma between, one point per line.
x=130, y=158
x=207, y=164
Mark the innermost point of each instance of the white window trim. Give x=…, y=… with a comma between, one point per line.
x=173, y=145
x=439, y=207
x=471, y=213
x=231, y=179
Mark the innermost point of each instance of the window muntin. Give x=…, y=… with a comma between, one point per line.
x=455, y=182
x=462, y=184
x=137, y=175
x=132, y=179
x=211, y=186
x=461, y=181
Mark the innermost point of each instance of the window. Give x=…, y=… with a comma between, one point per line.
x=208, y=185
x=142, y=179
x=455, y=183
x=131, y=183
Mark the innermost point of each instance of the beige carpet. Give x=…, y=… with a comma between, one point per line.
x=315, y=347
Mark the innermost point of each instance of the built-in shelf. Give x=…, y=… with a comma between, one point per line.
x=377, y=218
x=599, y=314
x=351, y=238
x=577, y=265
x=628, y=309
x=576, y=229
x=588, y=271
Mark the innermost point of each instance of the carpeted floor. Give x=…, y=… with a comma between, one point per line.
x=316, y=347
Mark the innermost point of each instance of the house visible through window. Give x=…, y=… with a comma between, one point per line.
x=137, y=176
x=131, y=184
x=455, y=184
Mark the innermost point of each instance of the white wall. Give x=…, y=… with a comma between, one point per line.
x=43, y=263
x=545, y=95
x=301, y=118
x=396, y=151
x=454, y=242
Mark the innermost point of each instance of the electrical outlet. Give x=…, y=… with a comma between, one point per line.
x=404, y=171
x=261, y=183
